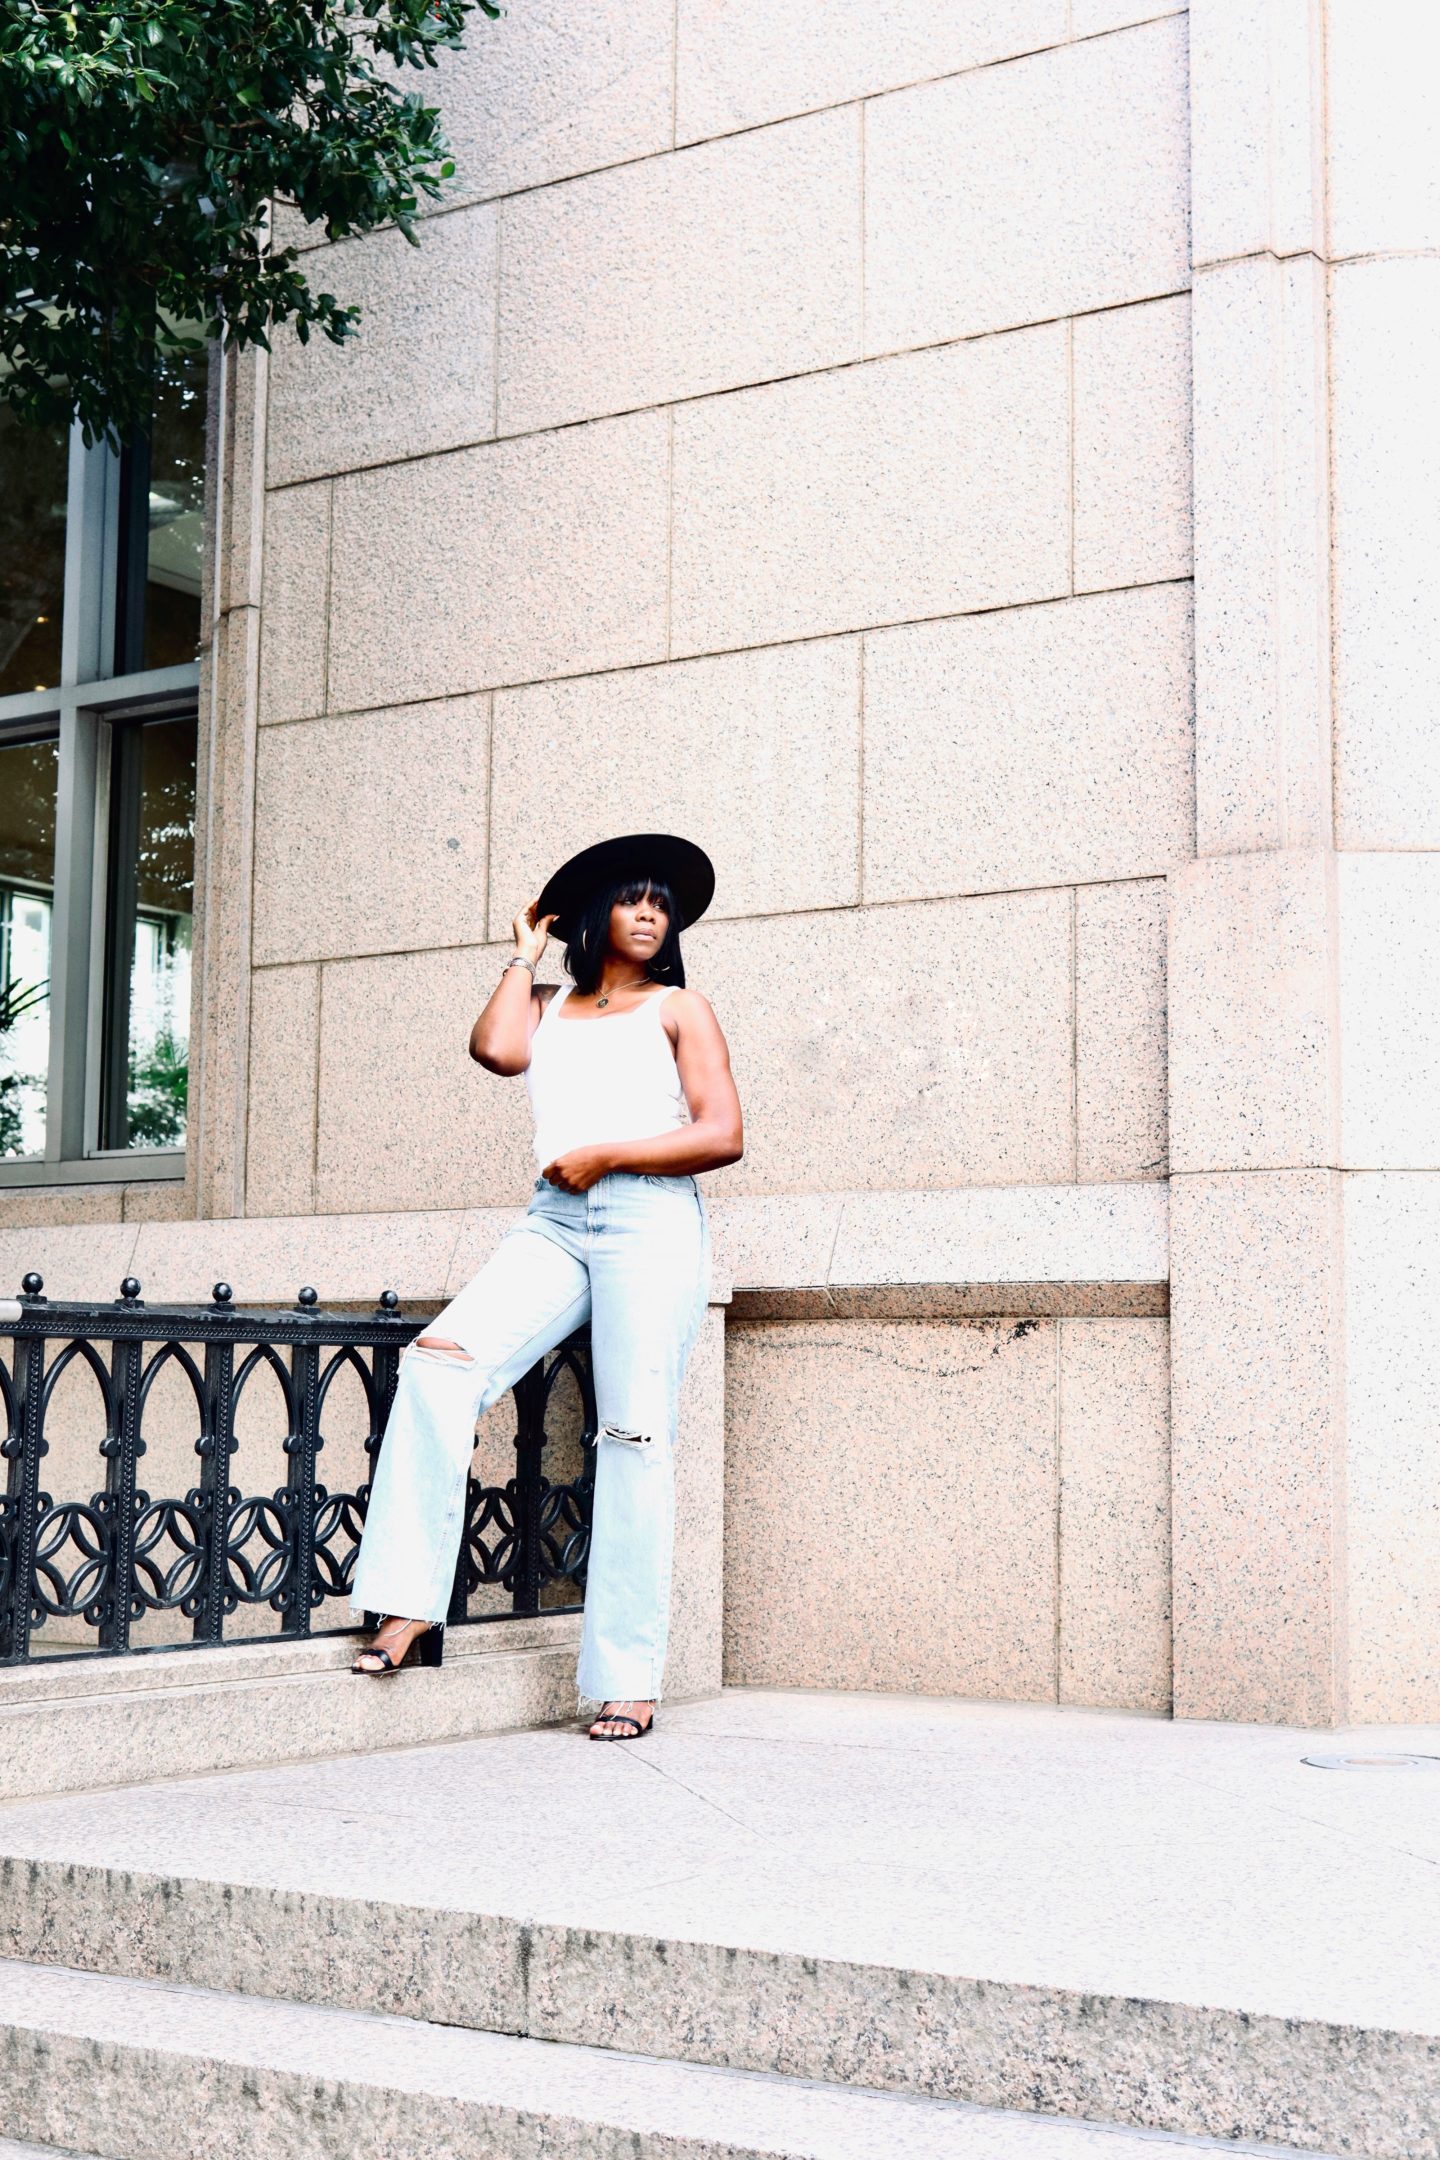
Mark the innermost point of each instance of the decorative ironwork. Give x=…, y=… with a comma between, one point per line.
x=110, y=1560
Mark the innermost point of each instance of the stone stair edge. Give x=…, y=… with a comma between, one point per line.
x=89, y=1743
x=10, y=2149
x=328, y=2084
x=1015, y=2045
x=90, y=1675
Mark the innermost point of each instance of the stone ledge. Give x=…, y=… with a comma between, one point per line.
x=1020, y=1249
x=957, y=1301
x=49, y=1678
x=76, y=1724
x=978, y=1252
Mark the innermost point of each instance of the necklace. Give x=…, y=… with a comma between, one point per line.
x=602, y=1002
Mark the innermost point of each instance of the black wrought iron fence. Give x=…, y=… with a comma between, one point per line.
x=109, y=1558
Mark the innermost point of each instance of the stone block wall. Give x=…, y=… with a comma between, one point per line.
x=975, y=469
x=784, y=437
x=950, y=1507
x=1304, y=984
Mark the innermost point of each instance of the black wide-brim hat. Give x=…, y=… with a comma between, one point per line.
x=685, y=868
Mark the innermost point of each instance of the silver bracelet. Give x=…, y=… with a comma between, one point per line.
x=519, y=961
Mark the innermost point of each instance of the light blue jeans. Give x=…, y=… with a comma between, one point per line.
x=631, y=1256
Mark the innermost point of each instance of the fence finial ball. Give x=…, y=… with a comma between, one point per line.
x=308, y=1296
x=389, y=1299
x=33, y=1284
x=130, y=1288
x=222, y=1293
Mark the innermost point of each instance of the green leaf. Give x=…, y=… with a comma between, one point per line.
x=141, y=143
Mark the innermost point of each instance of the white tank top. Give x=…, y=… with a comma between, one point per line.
x=596, y=1080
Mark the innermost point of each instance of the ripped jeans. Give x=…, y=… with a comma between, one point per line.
x=631, y=1256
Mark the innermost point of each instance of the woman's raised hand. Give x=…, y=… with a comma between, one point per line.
x=531, y=937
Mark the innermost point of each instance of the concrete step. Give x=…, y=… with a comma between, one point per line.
x=11, y=2150
x=74, y=1724
x=1180, y=1929
x=1163, y=2065
x=133, y=2065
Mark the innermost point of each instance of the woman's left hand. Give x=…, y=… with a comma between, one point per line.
x=577, y=1171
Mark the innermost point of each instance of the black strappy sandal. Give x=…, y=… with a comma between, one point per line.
x=428, y=1646
x=620, y=1717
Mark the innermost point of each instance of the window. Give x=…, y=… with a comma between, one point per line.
x=100, y=561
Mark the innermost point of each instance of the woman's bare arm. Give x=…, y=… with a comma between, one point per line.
x=500, y=1038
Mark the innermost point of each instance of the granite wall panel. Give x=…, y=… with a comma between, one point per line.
x=890, y=1506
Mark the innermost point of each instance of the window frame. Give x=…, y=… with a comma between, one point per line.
x=83, y=710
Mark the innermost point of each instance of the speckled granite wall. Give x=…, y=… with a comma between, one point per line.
x=772, y=474
x=785, y=438
x=1304, y=962
x=977, y=470
x=802, y=427
x=955, y=1508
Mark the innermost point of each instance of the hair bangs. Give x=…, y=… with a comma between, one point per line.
x=589, y=939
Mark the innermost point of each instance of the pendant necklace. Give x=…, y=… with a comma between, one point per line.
x=602, y=1002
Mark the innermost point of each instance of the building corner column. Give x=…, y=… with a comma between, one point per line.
x=1257, y=1251
x=1305, y=939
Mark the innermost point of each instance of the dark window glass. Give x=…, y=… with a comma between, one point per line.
x=162, y=511
x=33, y=467
x=27, y=890
x=146, y=1050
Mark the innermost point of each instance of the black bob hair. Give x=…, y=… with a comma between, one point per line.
x=589, y=938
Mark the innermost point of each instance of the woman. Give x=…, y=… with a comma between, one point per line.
x=629, y=1080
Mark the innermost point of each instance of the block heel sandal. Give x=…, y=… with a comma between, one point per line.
x=428, y=1647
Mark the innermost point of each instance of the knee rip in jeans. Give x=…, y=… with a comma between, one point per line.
x=618, y=1432
x=440, y=1349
